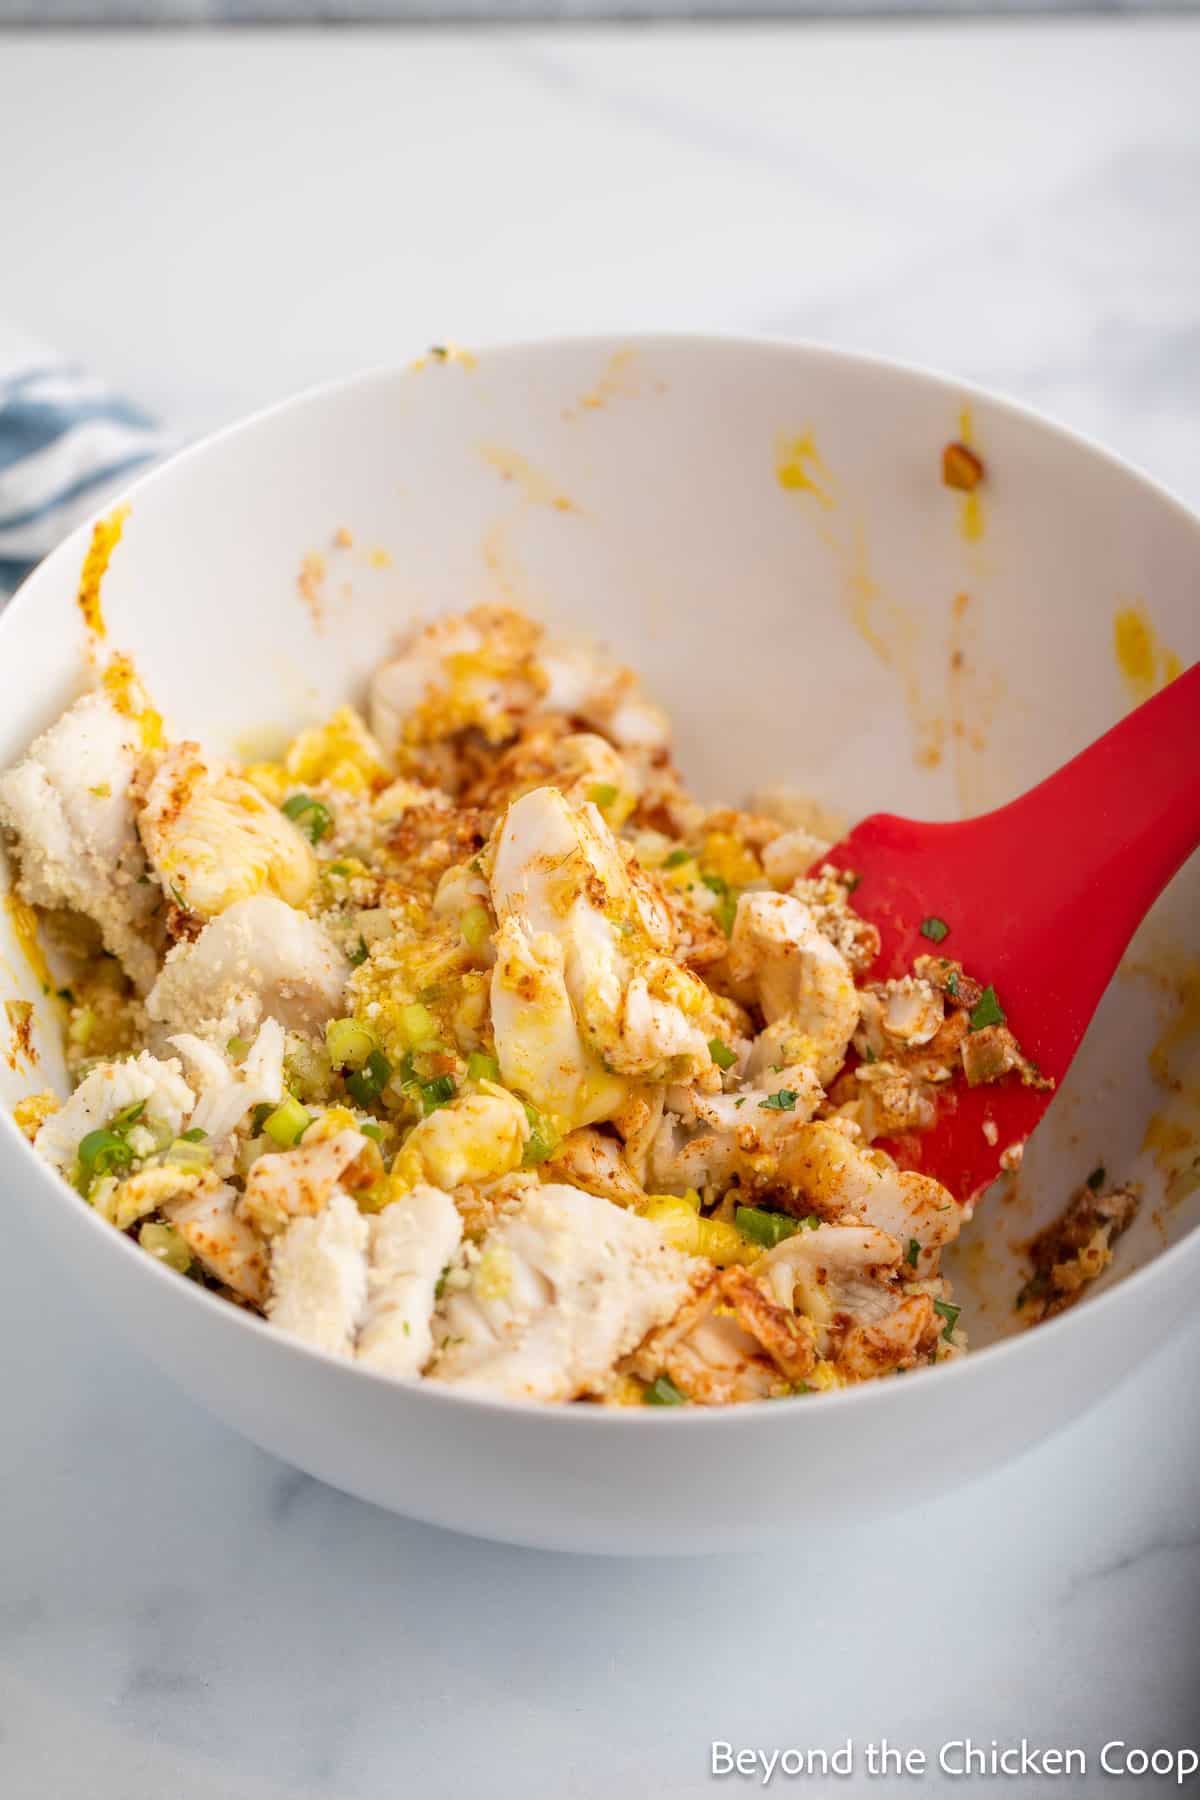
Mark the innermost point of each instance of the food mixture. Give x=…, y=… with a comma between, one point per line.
x=464, y=1043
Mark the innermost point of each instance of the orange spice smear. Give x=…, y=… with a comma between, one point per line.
x=106, y=535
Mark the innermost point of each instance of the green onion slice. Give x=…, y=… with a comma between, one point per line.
x=309, y=815
x=663, y=1392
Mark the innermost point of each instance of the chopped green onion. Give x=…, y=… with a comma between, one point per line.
x=677, y=858
x=934, y=929
x=482, y=1067
x=912, y=1253
x=236, y=1048
x=541, y=1142
x=766, y=1228
x=101, y=1151
x=366, y=1084
x=287, y=1123
x=475, y=926
x=371, y=1130
x=360, y=953
x=725, y=911
x=950, y=1313
x=308, y=815
x=869, y=1055
x=784, y=1100
x=417, y=1023
x=165, y=1244
x=663, y=1392
x=128, y=1117
x=193, y=1135
x=437, y=1092
x=989, y=1010
x=349, y=1044
x=67, y=995
x=952, y=984
x=188, y=1154
x=602, y=794
x=1096, y=1179
x=721, y=1054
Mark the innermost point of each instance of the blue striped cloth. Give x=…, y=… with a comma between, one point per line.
x=66, y=442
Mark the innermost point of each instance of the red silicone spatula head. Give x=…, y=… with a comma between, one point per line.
x=1040, y=898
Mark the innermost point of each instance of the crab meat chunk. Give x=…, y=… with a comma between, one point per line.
x=566, y=1285
x=558, y=872
x=801, y=981
x=213, y=839
x=707, y=1139
x=299, y=1183
x=68, y=804
x=260, y=958
x=227, y=1091
x=845, y=1279
x=457, y=673
x=209, y=1225
x=318, y=1277
x=835, y=1176
x=108, y=1090
x=409, y=1246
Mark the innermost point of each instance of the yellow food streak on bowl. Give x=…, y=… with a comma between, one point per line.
x=798, y=463
x=1145, y=662
x=23, y=921
x=123, y=685
x=971, y=520
x=535, y=486
x=106, y=535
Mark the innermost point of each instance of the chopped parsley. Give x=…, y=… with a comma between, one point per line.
x=934, y=929
x=989, y=1010
x=950, y=1313
x=870, y=1055
x=663, y=1392
x=721, y=1054
x=912, y=1253
x=1097, y=1178
x=952, y=984
x=360, y=953
x=783, y=1100
x=677, y=858
x=193, y=1135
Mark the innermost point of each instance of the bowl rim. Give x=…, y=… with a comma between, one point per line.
x=862, y=1395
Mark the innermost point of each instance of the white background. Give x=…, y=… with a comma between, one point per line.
x=214, y=221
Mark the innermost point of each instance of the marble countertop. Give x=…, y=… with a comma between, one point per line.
x=214, y=221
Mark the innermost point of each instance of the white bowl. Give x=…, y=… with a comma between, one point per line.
x=805, y=635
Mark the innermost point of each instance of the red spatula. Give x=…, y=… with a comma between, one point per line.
x=1041, y=898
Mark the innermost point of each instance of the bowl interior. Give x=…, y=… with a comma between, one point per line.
x=762, y=530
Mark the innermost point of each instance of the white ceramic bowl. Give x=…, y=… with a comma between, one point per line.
x=804, y=632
